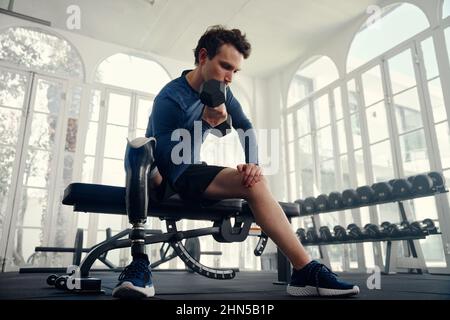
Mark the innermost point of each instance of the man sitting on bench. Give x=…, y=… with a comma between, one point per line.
x=218, y=56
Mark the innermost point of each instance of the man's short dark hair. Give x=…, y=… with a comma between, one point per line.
x=216, y=36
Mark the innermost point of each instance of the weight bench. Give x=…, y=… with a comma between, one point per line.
x=231, y=218
x=95, y=198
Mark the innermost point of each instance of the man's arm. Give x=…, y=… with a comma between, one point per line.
x=166, y=117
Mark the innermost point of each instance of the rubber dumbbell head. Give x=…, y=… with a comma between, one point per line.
x=355, y=232
x=365, y=194
x=340, y=233
x=382, y=191
x=401, y=188
x=429, y=226
x=301, y=234
x=372, y=231
x=325, y=234
x=322, y=202
x=310, y=205
x=422, y=184
x=312, y=236
x=335, y=200
x=438, y=180
x=350, y=198
x=213, y=93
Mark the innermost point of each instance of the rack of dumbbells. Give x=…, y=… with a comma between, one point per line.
x=396, y=190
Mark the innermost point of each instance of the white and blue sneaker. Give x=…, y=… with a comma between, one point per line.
x=315, y=279
x=135, y=281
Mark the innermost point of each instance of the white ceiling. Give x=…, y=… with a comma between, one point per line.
x=279, y=31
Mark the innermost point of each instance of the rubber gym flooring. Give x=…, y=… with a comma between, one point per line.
x=182, y=285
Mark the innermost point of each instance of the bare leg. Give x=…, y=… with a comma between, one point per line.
x=266, y=210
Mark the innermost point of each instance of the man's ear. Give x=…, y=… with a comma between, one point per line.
x=202, y=55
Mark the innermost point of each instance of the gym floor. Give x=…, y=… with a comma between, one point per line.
x=182, y=285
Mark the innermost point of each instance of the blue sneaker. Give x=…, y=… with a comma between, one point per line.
x=135, y=281
x=315, y=279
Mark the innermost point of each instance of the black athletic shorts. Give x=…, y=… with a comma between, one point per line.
x=195, y=180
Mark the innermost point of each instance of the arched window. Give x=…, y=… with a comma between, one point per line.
x=39, y=50
x=446, y=9
x=126, y=71
x=396, y=23
x=35, y=99
x=315, y=74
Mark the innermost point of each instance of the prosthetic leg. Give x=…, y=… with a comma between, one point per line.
x=138, y=161
x=135, y=280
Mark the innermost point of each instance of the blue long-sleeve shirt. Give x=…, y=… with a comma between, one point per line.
x=177, y=106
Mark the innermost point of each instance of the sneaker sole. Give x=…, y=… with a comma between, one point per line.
x=129, y=291
x=309, y=291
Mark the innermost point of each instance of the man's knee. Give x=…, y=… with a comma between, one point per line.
x=256, y=190
x=264, y=180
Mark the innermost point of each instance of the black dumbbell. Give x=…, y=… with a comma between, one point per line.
x=61, y=282
x=310, y=205
x=350, y=198
x=438, y=180
x=213, y=94
x=340, y=233
x=411, y=179
x=312, y=236
x=410, y=229
x=401, y=188
x=404, y=229
x=390, y=229
x=416, y=228
x=301, y=206
x=51, y=279
x=335, y=200
x=372, y=231
x=354, y=232
x=325, y=234
x=384, y=228
x=301, y=234
x=322, y=202
x=365, y=194
x=422, y=184
x=429, y=226
x=382, y=191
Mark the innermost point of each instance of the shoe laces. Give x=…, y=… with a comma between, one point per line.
x=136, y=269
x=316, y=269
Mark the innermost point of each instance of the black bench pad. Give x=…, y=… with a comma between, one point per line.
x=98, y=198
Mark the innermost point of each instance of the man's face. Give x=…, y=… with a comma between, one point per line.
x=223, y=66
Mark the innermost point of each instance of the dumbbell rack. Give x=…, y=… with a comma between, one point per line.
x=399, y=200
x=415, y=261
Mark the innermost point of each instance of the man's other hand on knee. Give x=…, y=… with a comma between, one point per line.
x=250, y=173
